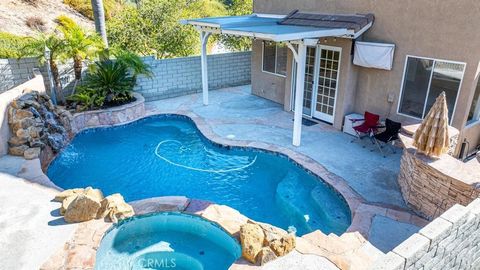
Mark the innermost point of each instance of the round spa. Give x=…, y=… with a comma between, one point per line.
x=167, y=240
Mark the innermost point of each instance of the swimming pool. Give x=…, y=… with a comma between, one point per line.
x=167, y=155
x=167, y=241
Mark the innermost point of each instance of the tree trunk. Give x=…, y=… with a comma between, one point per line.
x=99, y=15
x=57, y=82
x=77, y=67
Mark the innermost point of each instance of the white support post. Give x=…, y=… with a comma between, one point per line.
x=301, y=56
x=204, y=39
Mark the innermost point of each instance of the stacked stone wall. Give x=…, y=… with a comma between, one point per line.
x=111, y=116
x=428, y=191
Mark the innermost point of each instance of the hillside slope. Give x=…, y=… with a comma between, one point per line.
x=15, y=13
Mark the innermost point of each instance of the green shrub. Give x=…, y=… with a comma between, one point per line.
x=236, y=8
x=84, y=7
x=11, y=45
x=109, y=82
x=87, y=99
x=154, y=28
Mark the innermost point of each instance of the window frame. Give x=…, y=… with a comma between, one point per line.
x=275, y=64
x=474, y=121
x=402, y=86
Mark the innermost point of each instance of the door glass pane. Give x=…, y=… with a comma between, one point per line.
x=415, y=86
x=309, y=81
x=327, y=81
x=446, y=77
x=281, y=59
x=269, y=56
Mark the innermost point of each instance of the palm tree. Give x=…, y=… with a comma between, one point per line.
x=79, y=45
x=99, y=16
x=57, y=46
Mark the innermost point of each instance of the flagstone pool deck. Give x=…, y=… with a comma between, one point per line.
x=31, y=231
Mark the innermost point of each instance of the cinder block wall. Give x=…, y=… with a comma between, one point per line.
x=172, y=77
x=14, y=72
x=451, y=241
x=182, y=76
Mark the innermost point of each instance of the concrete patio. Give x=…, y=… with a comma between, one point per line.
x=234, y=111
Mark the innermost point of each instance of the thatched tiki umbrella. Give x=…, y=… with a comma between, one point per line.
x=431, y=138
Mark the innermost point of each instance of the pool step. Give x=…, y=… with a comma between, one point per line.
x=295, y=199
x=326, y=203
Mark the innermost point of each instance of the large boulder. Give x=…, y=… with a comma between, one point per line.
x=277, y=239
x=67, y=193
x=83, y=204
x=17, y=141
x=94, y=193
x=265, y=255
x=115, y=208
x=17, y=150
x=262, y=242
x=252, y=239
x=32, y=153
x=66, y=197
x=65, y=203
x=21, y=114
x=82, y=208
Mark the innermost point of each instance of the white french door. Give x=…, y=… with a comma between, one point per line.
x=327, y=82
x=322, y=73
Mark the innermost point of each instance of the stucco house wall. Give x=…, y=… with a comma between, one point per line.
x=444, y=30
x=266, y=85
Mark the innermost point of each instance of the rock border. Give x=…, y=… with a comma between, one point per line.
x=80, y=251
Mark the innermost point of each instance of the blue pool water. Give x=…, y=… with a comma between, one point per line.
x=167, y=155
x=167, y=241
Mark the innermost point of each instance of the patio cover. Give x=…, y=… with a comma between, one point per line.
x=295, y=26
x=297, y=30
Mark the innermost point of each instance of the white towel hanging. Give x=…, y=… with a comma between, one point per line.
x=374, y=55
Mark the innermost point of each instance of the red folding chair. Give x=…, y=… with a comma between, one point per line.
x=368, y=127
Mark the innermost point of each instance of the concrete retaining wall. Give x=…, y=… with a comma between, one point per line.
x=182, y=76
x=451, y=241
